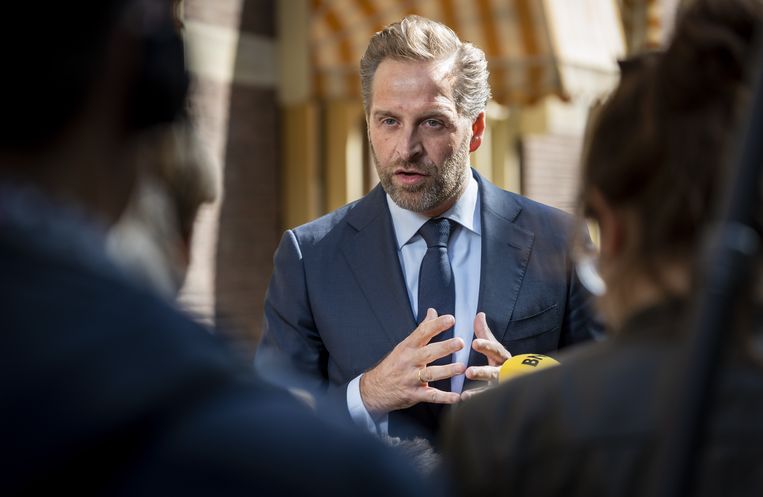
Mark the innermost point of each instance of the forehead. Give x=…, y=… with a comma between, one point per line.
x=409, y=86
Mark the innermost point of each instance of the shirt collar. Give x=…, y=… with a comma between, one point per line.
x=465, y=212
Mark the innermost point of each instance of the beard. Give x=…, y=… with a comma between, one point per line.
x=442, y=183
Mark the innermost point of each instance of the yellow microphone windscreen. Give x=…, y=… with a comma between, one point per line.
x=524, y=363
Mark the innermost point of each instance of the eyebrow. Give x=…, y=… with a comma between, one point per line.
x=429, y=114
x=383, y=113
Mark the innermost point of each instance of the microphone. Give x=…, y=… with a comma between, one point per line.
x=522, y=364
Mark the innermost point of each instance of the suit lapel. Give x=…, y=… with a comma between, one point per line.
x=372, y=255
x=505, y=253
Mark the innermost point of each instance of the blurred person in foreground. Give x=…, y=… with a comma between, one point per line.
x=153, y=237
x=652, y=175
x=410, y=299
x=105, y=388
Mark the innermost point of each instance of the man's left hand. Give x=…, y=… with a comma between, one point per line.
x=486, y=344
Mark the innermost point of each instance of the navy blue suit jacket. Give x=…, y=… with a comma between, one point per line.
x=337, y=301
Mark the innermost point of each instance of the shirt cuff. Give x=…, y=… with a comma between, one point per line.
x=360, y=414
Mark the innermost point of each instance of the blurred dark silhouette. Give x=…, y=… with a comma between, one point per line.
x=653, y=175
x=152, y=239
x=106, y=389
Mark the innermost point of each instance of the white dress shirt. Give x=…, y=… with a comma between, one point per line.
x=464, y=251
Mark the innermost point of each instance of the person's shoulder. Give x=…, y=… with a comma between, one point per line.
x=520, y=208
x=318, y=228
x=259, y=441
x=616, y=377
x=537, y=209
x=105, y=314
x=316, y=231
x=602, y=399
x=544, y=210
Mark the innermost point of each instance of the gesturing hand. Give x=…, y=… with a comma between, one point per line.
x=401, y=379
x=486, y=344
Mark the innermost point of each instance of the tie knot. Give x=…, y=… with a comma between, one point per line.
x=436, y=232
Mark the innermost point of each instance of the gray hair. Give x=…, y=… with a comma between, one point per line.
x=419, y=39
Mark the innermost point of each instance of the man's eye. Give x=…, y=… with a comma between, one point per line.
x=388, y=121
x=433, y=123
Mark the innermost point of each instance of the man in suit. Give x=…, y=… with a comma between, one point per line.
x=106, y=389
x=376, y=301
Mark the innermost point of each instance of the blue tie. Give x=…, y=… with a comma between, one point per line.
x=437, y=288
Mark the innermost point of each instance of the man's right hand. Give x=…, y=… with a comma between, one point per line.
x=401, y=379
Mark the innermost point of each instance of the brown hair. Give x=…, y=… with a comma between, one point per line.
x=419, y=39
x=660, y=144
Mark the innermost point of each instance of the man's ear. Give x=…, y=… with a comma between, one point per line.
x=478, y=129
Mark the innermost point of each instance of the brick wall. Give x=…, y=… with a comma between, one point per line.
x=231, y=46
x=550, y=169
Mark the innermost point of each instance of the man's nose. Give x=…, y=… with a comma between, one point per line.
x=410, y=146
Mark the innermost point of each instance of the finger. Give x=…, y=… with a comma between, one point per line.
x=431, y=314
x=435, y=396
x=434, y=373
x=434, y=351
x=483, y=373
x=481, y=329
x=492, y=349
x=468, y=394
x=428, y=329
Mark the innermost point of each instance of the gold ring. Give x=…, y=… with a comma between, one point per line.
x=418, y=373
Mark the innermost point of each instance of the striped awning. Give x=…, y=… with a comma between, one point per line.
x=519, y=37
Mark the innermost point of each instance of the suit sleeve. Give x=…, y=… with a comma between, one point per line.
x=292, y=352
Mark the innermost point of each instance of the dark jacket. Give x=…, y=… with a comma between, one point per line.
x=595, y=425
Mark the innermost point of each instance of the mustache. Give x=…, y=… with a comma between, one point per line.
x=421, y=167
